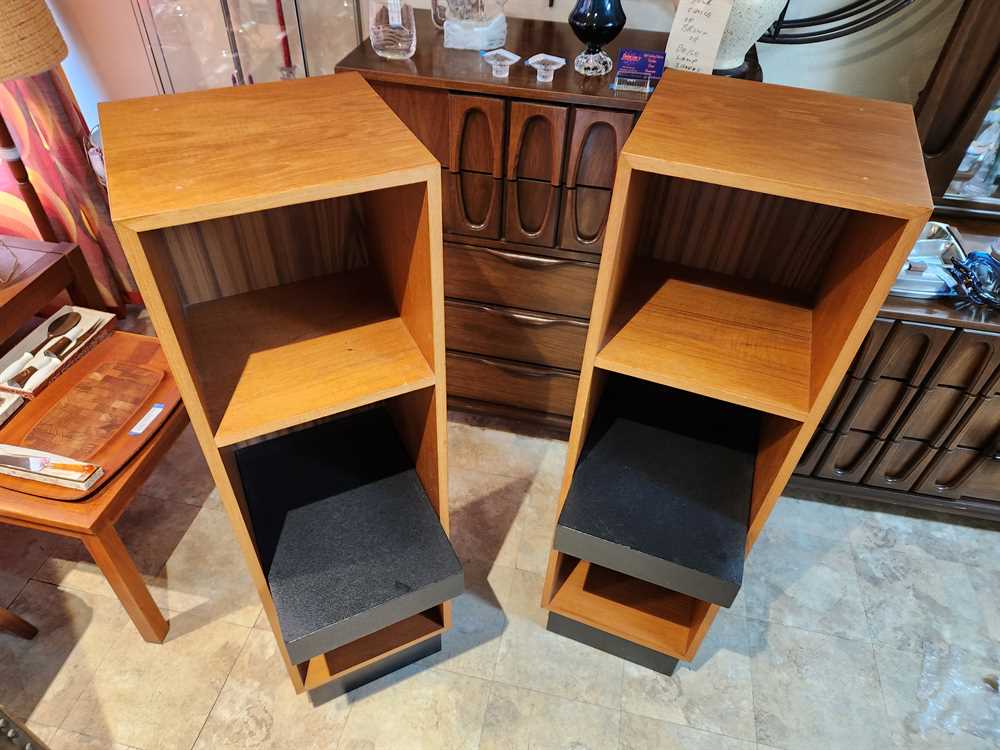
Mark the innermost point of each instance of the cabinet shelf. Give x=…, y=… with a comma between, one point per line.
x=713, y=336
x=346, y=534
x=281, y=356
x=627, y=607
x=662, y=489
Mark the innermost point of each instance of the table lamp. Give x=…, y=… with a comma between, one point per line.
x=30, y=43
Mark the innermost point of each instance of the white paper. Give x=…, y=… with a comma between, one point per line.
x=696, y=33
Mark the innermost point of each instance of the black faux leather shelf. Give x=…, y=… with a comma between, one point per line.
x=662, y=489
x=345, y=532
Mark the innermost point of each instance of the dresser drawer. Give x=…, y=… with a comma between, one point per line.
x=970, y=361
x=910, y=352
x=980, y=427
x=584, y=219
x=962, y=472
x=900, y=464
x=538, y=338
x=511, y=383
x=849, y=457
x=876, y=406
x=530, y=282
x=814, y=452
x=473, y=204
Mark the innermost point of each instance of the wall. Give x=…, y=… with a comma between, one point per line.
x=891, y=61
x=107, y=58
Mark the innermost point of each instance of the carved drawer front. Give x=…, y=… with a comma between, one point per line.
x=536, y=142
x=423, y=110
x=538, y=338
x=814, y=452
x=933, y=415
x=962, y=472
x=849, y=456
x=597, y=139
x=910, y=352
x=532, y=212
x=842, y=399
x=980, y=426
x=876, y=406
x=584, y=218
x=476, y=127
x=501, y=381
x=529, y=282
x=899, y=464
x=970, y=362
x=871, y=346
x=473, y=204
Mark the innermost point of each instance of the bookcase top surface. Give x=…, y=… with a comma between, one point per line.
x=188, y=157
x=859, y=154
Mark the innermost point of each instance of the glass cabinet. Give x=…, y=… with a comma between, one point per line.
x=977, y=180
x=197, y=44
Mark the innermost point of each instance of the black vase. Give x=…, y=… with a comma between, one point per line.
x=595, y=23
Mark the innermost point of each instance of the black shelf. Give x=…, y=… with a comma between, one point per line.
x=662, y=489
x=345, y=532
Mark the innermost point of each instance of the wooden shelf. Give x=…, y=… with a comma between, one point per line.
x=281, y=356
x=662, y=489
x=702, y=333
x=345, y=532
x=354, y=656
x=641, y=612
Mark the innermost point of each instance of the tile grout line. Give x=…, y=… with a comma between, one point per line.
x=222, y=687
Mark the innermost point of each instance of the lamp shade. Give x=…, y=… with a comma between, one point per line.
x=30, y=41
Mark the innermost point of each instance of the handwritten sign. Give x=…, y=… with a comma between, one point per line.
x=695, y=35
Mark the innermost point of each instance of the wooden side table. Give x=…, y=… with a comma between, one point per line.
x=43, y=270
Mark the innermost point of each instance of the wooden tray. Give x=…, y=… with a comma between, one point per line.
x=89, y=412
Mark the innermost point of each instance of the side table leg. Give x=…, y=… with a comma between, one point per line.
x=114, y=561
x=16, y=625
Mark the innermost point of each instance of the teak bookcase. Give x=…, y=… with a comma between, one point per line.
x=286, y=239
x=754, y=231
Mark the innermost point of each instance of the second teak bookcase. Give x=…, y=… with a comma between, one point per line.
x=286, y=239
x=754, y=231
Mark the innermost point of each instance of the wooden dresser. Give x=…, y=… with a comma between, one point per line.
x=527, y=171
x=917, y=420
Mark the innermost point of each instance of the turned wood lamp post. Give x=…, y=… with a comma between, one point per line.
x=30, y=43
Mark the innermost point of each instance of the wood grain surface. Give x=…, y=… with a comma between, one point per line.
x=809, y=145
x=206, y=154
x=82, y=412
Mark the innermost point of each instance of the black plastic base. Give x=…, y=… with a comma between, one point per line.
x=372, y=672
x=611, y=644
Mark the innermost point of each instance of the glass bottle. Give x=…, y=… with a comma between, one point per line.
x=392, y=29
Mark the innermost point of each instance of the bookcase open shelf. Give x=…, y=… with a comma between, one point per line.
x=754, y=231
x=662, y=489
x=293, y=275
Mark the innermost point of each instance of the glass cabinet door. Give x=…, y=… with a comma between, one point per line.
x=977, y=181
x=198, y=44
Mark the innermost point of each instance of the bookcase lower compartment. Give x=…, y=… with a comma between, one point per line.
x=356, y=560
x=662, y=489
x=653, y=617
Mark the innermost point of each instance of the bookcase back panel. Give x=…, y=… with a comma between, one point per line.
x=780, y=242
x=245, y=252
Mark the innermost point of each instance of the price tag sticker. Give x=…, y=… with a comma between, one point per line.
x=140, y=427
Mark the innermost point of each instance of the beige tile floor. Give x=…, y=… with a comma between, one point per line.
x=856, y=628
